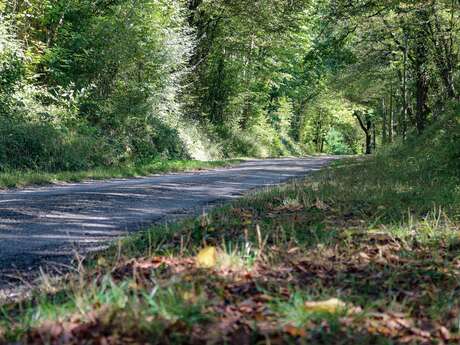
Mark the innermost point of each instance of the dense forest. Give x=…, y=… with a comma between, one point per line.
x=87, y=83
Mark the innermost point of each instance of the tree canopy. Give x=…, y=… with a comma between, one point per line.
x=86, y=83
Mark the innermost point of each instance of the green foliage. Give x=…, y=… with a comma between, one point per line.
x=136, y=80
x=94, y=85
x=434, y=157
x=27, y=146
x=336, y=143
x=282, y=117
x=11, y=67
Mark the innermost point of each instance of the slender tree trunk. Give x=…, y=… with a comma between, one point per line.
x=420, y=64
x=390, y=116
x=403, y=119
x=297, y=123
x=421, y=109
x=319, y=136
x=384, y=122
x=374, y=137
x=391, y=134
x=444, y=55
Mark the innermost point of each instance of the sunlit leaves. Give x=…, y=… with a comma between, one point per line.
x=207, y=257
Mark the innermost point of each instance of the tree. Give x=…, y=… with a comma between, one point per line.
x=365, y=122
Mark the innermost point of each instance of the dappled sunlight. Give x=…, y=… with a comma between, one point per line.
x=81, y=216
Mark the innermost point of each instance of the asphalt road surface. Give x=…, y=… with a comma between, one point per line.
x=41, y=226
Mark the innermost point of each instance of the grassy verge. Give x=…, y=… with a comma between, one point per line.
x=364, y=252
x=27, y=178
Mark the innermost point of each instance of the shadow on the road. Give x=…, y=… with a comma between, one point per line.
x=52, y=223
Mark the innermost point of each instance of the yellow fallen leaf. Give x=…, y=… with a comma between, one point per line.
x=332, y=305
x=189, y=297
x=207, y=257
x=101, y=261
x=133, y=285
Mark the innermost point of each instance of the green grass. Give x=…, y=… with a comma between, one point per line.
x=11, y=179
x=381, y=235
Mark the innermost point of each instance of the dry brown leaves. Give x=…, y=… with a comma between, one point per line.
x=365, y=260
x=78, y=331
x=406, y=330
x=240, y=301
x=141, y=269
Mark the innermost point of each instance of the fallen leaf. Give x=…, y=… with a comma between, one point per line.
x=149, y=264
x=295, y=331
x=444, y=333
x=362, y=256
x=289, y=206
x=332, y=305
x=379, y=236
x=207, y=257
x=320, y=205
x=293, y=250
x=101, y=261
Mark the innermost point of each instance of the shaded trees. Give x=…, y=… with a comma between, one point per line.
x=417, y=41
x=116, y=64
x=157, y=78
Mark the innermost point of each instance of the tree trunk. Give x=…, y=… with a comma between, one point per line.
x=384, y=122
x=421, y=71
x=445, y=57
x=368, y=143
x=390, y=116
x=366, y=125
x=422, y=110
x=374, y=137
x=403, y=116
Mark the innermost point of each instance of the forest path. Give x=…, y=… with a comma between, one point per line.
x=40, y=226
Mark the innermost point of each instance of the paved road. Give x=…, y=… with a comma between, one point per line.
x=43, y=225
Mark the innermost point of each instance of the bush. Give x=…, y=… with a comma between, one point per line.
x=336, y=143
x=40, y=146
